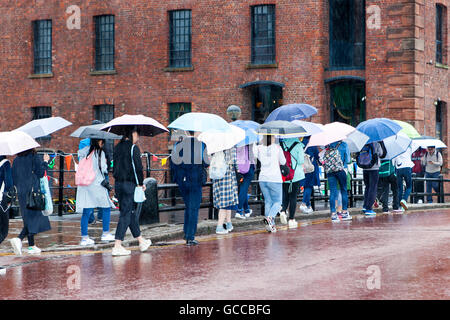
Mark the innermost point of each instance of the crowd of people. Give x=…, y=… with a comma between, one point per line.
x=286, y=166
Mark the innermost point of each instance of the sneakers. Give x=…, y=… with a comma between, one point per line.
x=386, y=212
x=240, y=216
x=292, y=224
x=229, y=227
x=248, y=213
x=335, y=218
x=403, y=204
x=16, y=244
x=308, y=210
x=190, y=243
x=269, y=223
x=397, y=211
x=87, y=242
x=120, y=251
x=345, y=216
x=143, y=246
x=221, y=230
x=375, y=204
x=283, y=217
x=369, y=212
x=107, y=237
x=303, y=208
x=34, y=250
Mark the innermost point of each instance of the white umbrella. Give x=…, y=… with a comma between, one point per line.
x=219, y=140
x=310, y=127
x=44, y=127
x=396, y=145
x=425, y=143
x=337, y=131
x=147, y=126
x=14, y=142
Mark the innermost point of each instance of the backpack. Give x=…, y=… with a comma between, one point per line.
x=367, y=157
x=332, y=161
x=288, y=157
x=243, y=161
x=218, y=166
x=308, y=166
x=386, y=169
x=85, y=174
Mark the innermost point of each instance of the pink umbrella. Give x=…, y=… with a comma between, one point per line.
x=337, y=131
x=14, y=142
x=147, y=126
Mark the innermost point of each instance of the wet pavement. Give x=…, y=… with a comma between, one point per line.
x=387, y=257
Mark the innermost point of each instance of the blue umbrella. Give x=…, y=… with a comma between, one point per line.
x=290, y=112
x=250, y=128
x=199, y=121
x=379, y=129
x=246, y=124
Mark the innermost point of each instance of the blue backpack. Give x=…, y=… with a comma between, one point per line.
x=367, y=157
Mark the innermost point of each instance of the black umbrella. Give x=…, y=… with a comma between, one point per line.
x=281, y=128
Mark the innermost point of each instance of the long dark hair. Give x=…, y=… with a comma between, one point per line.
x=95, y=146
x=128, y=132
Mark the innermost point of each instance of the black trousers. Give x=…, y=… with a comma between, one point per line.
x=383, y=192
x=4, y=225
x=290, y=198
x=128, y=214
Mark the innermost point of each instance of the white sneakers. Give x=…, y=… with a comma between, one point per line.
x=107, y=237
x=143, y=246
x=292, y=223
x=305, y=209
x=86, y=242
x=283, y=217
x=16, y=244
x=239, y=216
x=34, y=250
x=120, y=251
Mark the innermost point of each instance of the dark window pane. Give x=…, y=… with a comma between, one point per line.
x=263, y=34
x=104, y=42
x=42, y=31
x=178, y=109
x=439, y=38
x=180, y=38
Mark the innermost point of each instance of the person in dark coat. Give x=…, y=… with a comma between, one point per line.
x=188, y=171
x=7, y=182
x=27, y=169
x=311, y=179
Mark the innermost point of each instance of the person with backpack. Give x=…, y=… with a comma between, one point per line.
x=368, y=159
x=270, y=179
x=93, y=195
x=418, y=171
x=403, y=166
x=188, y=169
x=245, y=174
x=6, y=186
x=432, y=161
x=312, y=177
x=334, y=168
x=388, y=177
x=225, y=190
x=294, y=155
x=27, y=169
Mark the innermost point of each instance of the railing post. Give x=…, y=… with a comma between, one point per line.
x=148, y=164
x=441, y=189
x=61, y=183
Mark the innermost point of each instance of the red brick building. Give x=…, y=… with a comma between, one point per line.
x=352, y=59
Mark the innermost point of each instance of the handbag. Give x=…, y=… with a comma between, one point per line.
x=308, y=166
x=35, y=198
x=45, y=188
x=139, y=194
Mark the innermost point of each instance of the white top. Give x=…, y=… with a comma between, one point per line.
x=271, y=158
x=404, y=160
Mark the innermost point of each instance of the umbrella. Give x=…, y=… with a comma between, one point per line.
x=291, y=112
x=246, y=124
x=94, y=132
x=44, y=127
x=282, y=128
x=379, y=128
x=14, y=142
x=146, y=125
x=310, y=127
x=199, y=121
x=408, y=129
x=219, y=140
x=396, y=145
x=250, y=134
x=425, y=141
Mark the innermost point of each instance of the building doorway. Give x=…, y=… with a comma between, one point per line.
x=348, y=102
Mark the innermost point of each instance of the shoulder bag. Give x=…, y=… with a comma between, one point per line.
x=139, y=194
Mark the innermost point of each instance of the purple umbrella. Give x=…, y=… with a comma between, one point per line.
x=291, y=112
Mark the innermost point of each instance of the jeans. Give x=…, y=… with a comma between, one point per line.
x=406, y=175
x=273, y=195
x=192, y=198
x=370, y=192
x=128, y=214
x=307, y=196
x=432, y=184
x=290, y=198
x=383, y=192
x=87, y=212
x=4, y=225
x=333, y=179
x=243, y=190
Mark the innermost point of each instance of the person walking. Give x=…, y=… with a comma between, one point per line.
x=245, y=174
x=418, y=171
x=334, y=168
x=188, y=170
x=403, y=166
x=312, y=178
x=6, y=186
x=270, y=179
x=225, y=189
x=432, y=161
x=127, y=169
x=388, y=178
x=369, y=160
x=293, y=149
x=27, y=169
x=94, y=195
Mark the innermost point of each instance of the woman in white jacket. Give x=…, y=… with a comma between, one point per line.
x=270, y=180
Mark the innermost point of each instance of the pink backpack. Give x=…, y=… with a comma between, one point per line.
x=243, y=160
x=85, y=174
